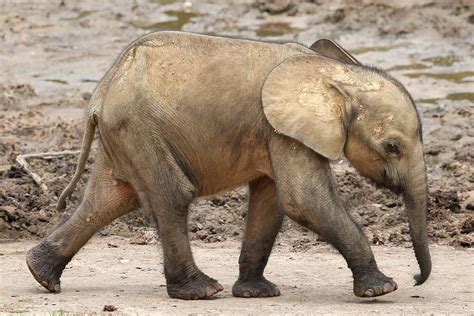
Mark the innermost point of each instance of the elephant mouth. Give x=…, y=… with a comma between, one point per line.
x=391, y=184
x=395, y=188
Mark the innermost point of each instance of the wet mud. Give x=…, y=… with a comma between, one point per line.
x=53, y=55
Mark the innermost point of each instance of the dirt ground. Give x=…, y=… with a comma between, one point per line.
x=111, y=271
x=53, y=53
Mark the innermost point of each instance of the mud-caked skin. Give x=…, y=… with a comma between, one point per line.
x=184, y=115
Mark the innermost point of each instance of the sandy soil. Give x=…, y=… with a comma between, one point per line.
x=111, y=271
x=52, y=56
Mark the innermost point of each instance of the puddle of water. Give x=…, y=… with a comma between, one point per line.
x=362, y=50
x=57, y=81
x=461, y=96
x=182, y=18
x=80, y=15
x=457, y=77
x=444, y=61
x=408, y=67
x=275, y=29
x=430, y=101
x=469, y=96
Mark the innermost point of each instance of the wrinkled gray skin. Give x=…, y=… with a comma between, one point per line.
x=183, y=115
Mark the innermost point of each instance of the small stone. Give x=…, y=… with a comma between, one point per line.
x=4, y=168
x=109, y=308
x=275, y=6
x=470, y=19
x=86, y=96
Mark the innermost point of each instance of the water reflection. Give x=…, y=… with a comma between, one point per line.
x=182, y=18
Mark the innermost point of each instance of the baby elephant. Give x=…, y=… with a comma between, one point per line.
x=183, y=115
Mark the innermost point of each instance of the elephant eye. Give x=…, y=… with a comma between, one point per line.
x=392, y=147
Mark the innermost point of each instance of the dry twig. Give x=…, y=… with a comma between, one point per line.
x=22, y=160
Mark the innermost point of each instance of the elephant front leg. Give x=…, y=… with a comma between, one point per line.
x=263, y=223
x=307, y=194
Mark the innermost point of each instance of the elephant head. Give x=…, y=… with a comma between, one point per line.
x=332, y=104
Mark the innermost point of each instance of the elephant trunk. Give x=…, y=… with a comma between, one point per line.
x=416, y=195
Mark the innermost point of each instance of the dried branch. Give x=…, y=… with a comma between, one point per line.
x=22, y=160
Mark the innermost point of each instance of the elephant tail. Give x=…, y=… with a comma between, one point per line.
x=85, y=150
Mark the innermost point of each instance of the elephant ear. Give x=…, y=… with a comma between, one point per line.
x=299, y=101
x=331, y=49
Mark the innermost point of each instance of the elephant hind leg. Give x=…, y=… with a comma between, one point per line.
x=264, y=220
x=105, y=199
x=165, y=191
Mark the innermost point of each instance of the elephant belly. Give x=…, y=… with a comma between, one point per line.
x=221, y=155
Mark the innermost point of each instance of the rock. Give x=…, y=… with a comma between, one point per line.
x=465, y=241
x=4, y=168
x=9, y=213
x=468, y=225
x=32, y=229
x=275, y=6
x=337, y=16
x=469, y=202
x=86, y=96
x=470, y=19
x=445, y=200
x=15, y=172
x=109, y=308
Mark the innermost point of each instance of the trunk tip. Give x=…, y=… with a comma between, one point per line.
x=420, y=278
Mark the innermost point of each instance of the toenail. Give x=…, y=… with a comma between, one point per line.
x=369, y=293
x=387, y=287
x=57, y=288
x=210, y=290
x=246, y=294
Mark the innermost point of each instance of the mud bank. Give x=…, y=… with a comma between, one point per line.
x=53, y=55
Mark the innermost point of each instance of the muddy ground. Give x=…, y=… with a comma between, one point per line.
x=54, y=53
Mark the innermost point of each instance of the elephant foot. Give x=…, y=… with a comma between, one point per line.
x=371, y=284
x=195, y=288
x=46, y=265
x=260, y=287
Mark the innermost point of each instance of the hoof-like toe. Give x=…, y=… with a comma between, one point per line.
x=373, y=284
x=255, y=288
x=200, y=288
